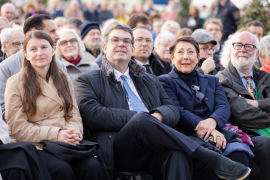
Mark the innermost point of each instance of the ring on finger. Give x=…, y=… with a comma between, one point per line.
x=218, y=136
x=204, y=132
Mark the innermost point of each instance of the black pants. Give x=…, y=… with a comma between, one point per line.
x=83, y=169
x=261, y=151
x=146, y=144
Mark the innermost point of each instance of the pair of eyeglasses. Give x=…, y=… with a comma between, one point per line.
x=117, y=41
x=15, y=44
x=65, y=42
x=248, y=47
x=199, y=95
x=207, y=50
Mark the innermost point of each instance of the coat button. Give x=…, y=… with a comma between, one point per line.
x=206, y=99
x=61, y=108
x=116, y=85
x=110, y=136
x=44, y=114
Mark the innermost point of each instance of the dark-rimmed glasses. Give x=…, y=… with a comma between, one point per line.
x=207, y=50
x=116, y=41
x=65, y=42
x=248, y=47
x=199, y=95
x=15, y=44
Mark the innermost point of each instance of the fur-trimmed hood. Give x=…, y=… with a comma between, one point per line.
x=135, y=69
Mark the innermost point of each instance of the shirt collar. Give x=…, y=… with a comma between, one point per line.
x=241, y=74
x=118, y=74
x=140, y=63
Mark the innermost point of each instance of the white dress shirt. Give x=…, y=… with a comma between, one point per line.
x=117, y=75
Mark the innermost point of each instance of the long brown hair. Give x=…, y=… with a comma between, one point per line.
x=31, y=82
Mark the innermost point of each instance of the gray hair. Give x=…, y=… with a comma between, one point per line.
x=106, y=26
x=6, y=33
x=58, y=52
x=225, y=53
x=8, y=5
x=119, y=27
x=265, y=46
x=6, y=21
x=170, y=24
x=166, y=35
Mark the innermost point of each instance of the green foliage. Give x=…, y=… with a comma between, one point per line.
x=3, y=2
x=257, y=10
x=183, y=11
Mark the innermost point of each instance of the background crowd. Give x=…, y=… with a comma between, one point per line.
x=76, y=39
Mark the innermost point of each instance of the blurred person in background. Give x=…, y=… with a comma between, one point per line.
x=8, y=11
x=143, y=44
x=69, y=51
x=73, y=23
x=16, y=21
x=104, y=11
x=138, y=19
x=91, y=13
x=194, y=21
x=3, y=24
x=29, y=9
x=215, y=27
x=74, y=11
x=205, y=13
x=59, y=22
x=171, y=13
x=121, y=16
x=229, y=15
x=19, y=14
x=11, y=40
x=162, y=46
x=156, y=27
x=171, y=26
x=256, y=28
x=183, y=32
x=114, y=6
x=91, y=38
x=207, y=44
x=264, y=54
x=149, y=4
x=54, y=9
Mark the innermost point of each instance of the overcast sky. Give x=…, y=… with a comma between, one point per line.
x=238, y=3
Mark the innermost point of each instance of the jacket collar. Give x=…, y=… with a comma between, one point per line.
x=203, y=81
x=49, y=90
x=135, y=69
x=154, y=57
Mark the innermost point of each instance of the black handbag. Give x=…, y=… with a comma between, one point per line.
x=69, y=152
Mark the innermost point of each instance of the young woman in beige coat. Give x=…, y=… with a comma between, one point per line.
x=40, y=105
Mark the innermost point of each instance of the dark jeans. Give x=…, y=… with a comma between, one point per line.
x=88, y=168
x=262, y=155
x=146, y=144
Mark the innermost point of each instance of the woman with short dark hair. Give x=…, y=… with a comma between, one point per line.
x=40, y=105
x=204, y=108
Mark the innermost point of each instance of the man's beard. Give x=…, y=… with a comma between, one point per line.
x=242, y=62
x=93, y=45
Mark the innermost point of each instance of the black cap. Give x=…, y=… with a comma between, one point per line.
x=86, y=27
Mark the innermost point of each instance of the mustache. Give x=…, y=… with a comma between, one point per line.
x=243, y=54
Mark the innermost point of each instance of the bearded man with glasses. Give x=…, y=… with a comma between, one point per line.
x=248, y=91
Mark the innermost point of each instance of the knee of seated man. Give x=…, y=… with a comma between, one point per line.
x=143, y=119
x=263, y=143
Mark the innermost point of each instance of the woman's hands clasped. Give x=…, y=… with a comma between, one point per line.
x=69, y=135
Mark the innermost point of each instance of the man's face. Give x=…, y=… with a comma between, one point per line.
x=119, y=48
x=243, y=59
x=257, y=31
x=50, y=28
x=206, y=50
x=143, y=44
x=215, y=31
x=157, y=26
x=3, y=25
x=14, y=43
x=92, y=40
x=72, y=26
x=163, y=50
x=8, y=13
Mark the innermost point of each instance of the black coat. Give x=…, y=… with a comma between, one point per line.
x=104, y=109
x=159, y=66
x=92, y=16
x=198, y=25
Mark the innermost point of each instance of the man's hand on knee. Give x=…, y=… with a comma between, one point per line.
x=158, y=116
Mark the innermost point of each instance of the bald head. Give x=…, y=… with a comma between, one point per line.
x=244, y=51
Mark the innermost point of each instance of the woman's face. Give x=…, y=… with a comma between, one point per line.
x=163, y=50
x=185, y=57
x=69, y=46
x=39, y=52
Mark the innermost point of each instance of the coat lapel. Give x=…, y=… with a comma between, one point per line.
x=179, y=81
x=203, y=82
x=49, y=90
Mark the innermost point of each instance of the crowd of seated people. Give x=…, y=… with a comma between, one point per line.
x=87, y=95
